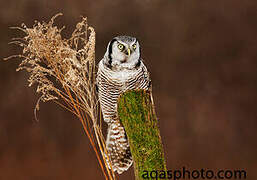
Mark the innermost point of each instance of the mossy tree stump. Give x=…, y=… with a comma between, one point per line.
x=137, y=114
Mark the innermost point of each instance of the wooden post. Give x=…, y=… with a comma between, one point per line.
x=137, y=114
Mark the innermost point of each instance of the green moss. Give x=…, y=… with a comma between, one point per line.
x=138, y=117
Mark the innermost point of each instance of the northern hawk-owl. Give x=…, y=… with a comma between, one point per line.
x=121, y=69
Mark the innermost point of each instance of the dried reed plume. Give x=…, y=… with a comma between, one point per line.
x=64, y=71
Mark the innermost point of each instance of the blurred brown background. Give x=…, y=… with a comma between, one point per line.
x=203, y=62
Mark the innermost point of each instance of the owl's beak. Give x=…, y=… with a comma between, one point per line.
x=128, y=51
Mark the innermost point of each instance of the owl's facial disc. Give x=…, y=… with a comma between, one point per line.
x=127, y=50
x=123, y=51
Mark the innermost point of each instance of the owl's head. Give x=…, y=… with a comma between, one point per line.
x=123, y=52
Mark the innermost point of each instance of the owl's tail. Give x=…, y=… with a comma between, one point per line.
x=118, y=148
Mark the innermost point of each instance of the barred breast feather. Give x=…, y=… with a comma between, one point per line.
x=111, y=83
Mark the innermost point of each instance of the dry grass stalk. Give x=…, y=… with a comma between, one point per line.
x=64, y=71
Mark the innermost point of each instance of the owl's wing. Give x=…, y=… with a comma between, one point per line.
x=147, y=78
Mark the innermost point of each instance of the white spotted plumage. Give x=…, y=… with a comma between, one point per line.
x=120, y=70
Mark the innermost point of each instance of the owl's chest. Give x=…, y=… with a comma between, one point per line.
x=123, y=76
x=120, y=81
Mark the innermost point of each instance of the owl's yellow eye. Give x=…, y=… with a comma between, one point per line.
x=120, y=46
x=134, y=46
